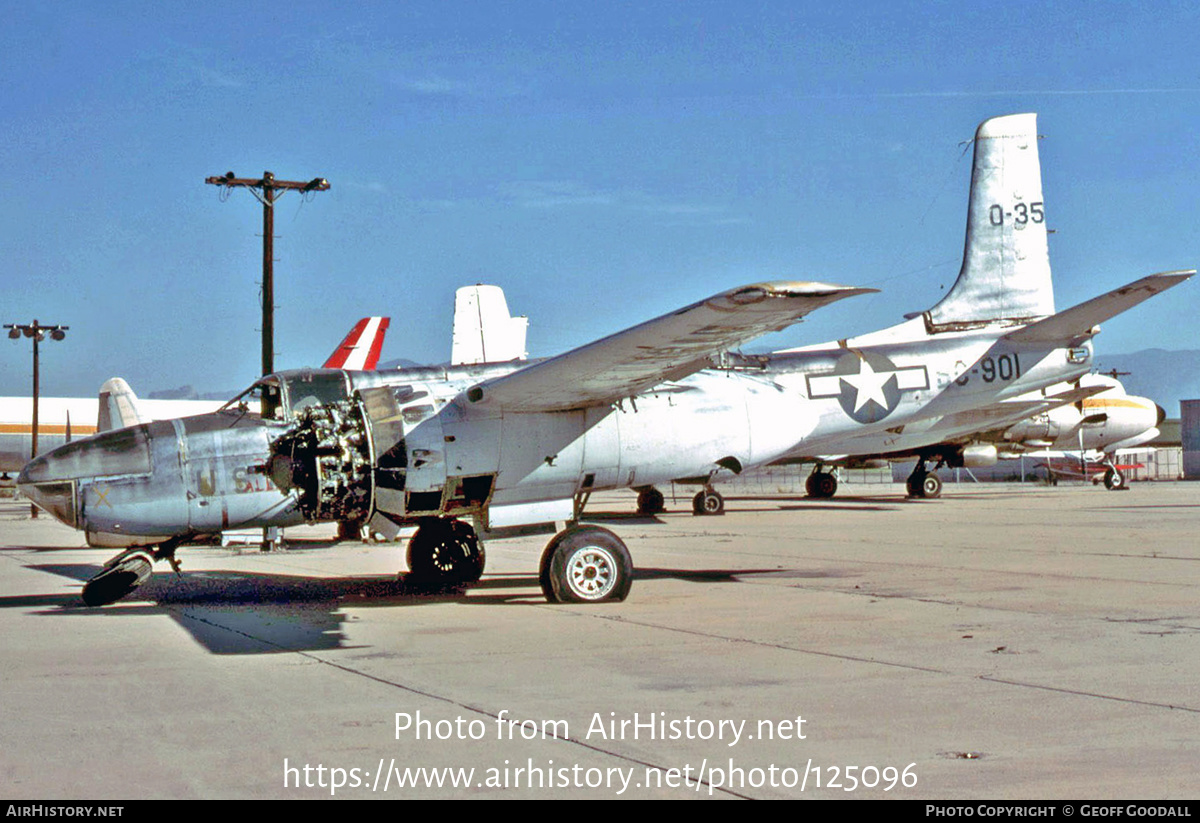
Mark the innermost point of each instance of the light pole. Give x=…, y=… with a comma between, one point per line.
x=38, y=332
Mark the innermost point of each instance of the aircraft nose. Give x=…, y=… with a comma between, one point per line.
x=51, y=480
x=43, y=483
x=1162, y=415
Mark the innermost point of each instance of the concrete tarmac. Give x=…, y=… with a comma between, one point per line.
x=1008, y=642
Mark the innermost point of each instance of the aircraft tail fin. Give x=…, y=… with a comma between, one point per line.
x=118, y=407
x=1079, y=322
x=1005, y=272
x=484, y=331
x=360, y=350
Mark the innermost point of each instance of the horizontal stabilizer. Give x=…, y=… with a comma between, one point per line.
x=1079, y=321
x=667, y=348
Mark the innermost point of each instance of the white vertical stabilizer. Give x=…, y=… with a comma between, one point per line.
x=484, y=332
x=1005, y=272
x=118, y=406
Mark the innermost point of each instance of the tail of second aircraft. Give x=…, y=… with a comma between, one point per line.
x=360, y=350
x=117, y=407
x=484, y=331
x=1005, y=271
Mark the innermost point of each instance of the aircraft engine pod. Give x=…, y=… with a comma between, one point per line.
x=979, y=456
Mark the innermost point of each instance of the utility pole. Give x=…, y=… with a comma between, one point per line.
x=265, y=190
x=38, y=332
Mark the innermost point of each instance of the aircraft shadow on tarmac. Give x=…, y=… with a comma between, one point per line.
x=249, y=613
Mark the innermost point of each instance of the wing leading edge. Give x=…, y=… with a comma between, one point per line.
x=666, y=348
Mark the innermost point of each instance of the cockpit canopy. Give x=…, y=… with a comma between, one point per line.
x=283, y=395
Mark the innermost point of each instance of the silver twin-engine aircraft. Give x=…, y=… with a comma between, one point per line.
x=462, y=449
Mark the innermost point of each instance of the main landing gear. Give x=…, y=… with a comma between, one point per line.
x=650, y=501
x=1114, y=479
x=585, y=564
x=708, y=501
x=821, y=485
x=581, y=564
x=924, y=483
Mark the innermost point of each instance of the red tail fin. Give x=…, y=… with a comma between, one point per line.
x=360, y=350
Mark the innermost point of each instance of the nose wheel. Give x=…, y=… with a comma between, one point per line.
x=445, y=553
x=128, y=570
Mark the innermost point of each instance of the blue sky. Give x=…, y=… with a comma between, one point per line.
x=603, y=162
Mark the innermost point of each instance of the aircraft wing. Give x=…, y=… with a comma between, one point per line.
x=1078, y=321
x=997, y=417
x=667, y=348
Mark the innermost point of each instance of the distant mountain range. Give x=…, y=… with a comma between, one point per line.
x=1166, y=377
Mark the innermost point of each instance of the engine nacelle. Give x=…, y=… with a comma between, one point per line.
x=979, y=456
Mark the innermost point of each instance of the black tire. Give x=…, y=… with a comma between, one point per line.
x=586, y=564
x=931, y=487
x=916, y=485
x=446, y=553
x=1114, y=480
x=651, y=501
x=117, y=580
x=822, y=485
x=708, y=502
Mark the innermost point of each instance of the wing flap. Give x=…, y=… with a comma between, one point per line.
x=666, y=348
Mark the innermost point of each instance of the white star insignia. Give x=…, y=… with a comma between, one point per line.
x=869, y=385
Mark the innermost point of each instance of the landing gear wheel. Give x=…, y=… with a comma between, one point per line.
x=650, y=501
x=1114, y=480
x=915, y=484
x=708, y=502
x=931, y=486
x=821, y=485
x=445, y=553
x=586, y=564
x=120, y=576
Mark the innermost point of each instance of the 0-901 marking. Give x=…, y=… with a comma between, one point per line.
x=1021, y=213
x=1004, y=367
